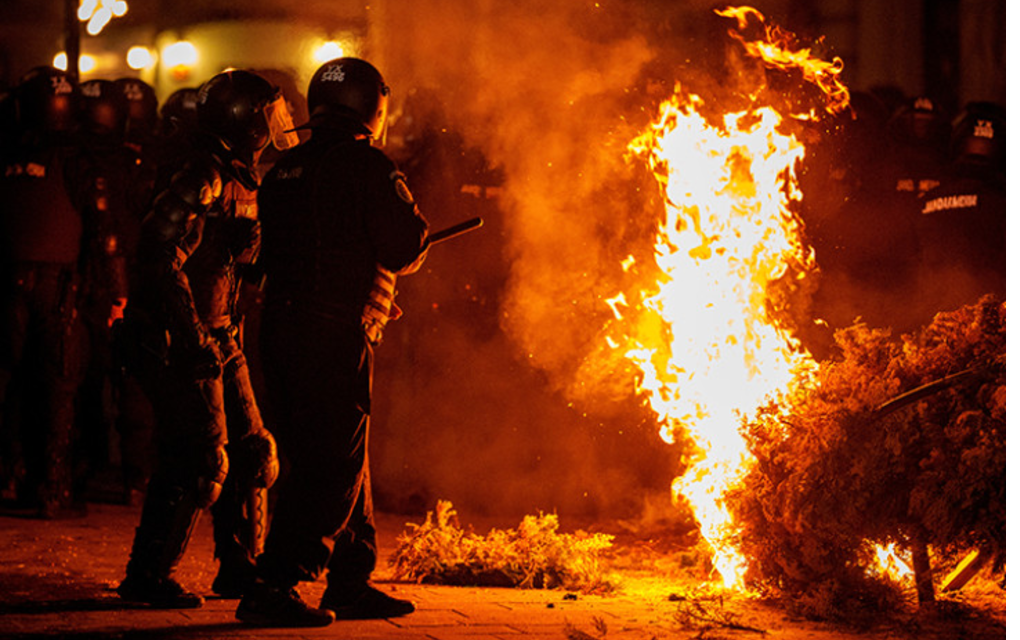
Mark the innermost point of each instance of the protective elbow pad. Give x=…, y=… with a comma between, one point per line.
x=190, y=191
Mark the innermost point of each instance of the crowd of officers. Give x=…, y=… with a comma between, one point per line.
x=130, y=233
x=77, y=177
x=907, y=215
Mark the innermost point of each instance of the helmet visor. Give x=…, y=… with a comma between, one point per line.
x=281, y=126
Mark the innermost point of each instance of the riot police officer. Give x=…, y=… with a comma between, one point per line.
x=178, y=112
x=142, y=124
x=961, y=224
x=112, y=191
x=40, y=246
x=198, y=240
x=339, y=225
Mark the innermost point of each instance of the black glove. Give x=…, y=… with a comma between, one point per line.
x=244, y=237
x=205, y=361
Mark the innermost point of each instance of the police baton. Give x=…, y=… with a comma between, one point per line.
x=452, y=232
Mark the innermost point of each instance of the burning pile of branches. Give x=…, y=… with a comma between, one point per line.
x=532, y=556
x=899, y=443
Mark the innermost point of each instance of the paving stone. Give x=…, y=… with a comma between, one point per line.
x=58, y=580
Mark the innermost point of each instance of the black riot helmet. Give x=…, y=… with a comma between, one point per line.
x=104, y=108
x=921, y=122
x=979, y=135
x=352, y=89
x=179, y=111
x=47, y=101
x=142, y=104
x=245, y=112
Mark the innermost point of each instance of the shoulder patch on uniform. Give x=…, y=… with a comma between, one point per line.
x=401, y=187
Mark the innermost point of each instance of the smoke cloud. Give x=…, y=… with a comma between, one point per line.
x=496, y=389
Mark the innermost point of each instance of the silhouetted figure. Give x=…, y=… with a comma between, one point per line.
x=961, y=224
x=340, y=226
x=199, y=240
x=40, y=248
x=111, y=191
x=869, y=254
x=142, y=126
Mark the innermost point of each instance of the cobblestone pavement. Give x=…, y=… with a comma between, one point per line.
x=57, y=580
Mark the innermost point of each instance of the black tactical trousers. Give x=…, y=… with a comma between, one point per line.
x=39, y=374
x=193, y=417
x=318, y=379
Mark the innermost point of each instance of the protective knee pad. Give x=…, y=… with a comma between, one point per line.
x=257, y=463
x=215, y=466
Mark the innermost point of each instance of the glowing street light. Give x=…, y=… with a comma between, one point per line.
x=86, y=63
x=180, y=53
x=329, y=51
x=99, y=12
x=140, y=57
x=180, y=57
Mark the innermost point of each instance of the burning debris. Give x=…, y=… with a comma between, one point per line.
x=532, y=556
x=705, y=310
x=839, y=474
x=835, y=464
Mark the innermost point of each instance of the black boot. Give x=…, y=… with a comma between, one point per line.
x=266, y=605
x=158, y=591
x=234, y=578
x=363, y=602
x=168, y=518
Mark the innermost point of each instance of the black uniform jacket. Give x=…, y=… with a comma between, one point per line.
x=334, y=210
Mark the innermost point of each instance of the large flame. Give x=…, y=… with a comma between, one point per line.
x=777, y=48
x=708, y=336
x=709, y=348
